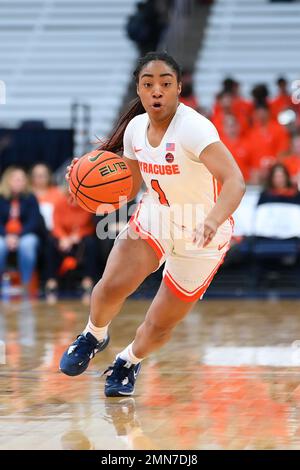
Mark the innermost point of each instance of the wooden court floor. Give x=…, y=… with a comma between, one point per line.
x=229, y=379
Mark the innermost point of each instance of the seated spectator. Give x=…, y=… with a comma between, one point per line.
x=278, y=207
x=72, y=243
x=268, y=141
x=236, y=104
x=221, y=107
x=237, y=145
x=292, y=160
x=276, y=227
x=260, y=96
x=283, y=99
x=45, y=191
x=240, y=104
x=225, y=106
x=20, y=223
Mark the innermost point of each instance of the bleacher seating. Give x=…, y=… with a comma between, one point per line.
x=251, y=40
x=54, y=53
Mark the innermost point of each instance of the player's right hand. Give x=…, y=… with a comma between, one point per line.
x=70, y=168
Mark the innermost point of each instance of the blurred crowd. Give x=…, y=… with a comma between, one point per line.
x=260, y=131
x=43, y=231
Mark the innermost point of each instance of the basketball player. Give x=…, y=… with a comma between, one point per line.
x=178, y=154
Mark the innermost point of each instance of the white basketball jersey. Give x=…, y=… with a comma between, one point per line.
x=172, y=171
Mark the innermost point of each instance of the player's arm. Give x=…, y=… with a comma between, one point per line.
x=221, y=164
x=136, y=175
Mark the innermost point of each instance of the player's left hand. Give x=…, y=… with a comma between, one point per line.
x=205, y=232
x=70, y=168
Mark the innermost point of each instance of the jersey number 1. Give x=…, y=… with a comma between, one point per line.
x=161, y=195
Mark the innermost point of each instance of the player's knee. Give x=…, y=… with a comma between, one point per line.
x=108, y=289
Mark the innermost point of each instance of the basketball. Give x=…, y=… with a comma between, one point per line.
x=98, y=178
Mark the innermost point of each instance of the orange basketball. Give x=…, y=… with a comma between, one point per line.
x=100, y=178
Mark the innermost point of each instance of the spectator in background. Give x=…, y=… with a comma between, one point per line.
x=292, y=160
x=278, y=183
x=279, y=188
x=187, y=95
x=146, y=26
x=45, y=191
x=224, y=107
x=230, y=100
x=237, y=144
x=277, y=223
x=283, y=99
x=274, y=220
x=240, y=104
x=267, y=140
x=72, y=243
x=260, y=96
x=284, y=108
x=20, y=223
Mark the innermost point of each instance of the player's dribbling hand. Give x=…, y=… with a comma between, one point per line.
x=70, y=168
x=204, y=233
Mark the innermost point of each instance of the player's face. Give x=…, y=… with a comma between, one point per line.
x=158, y=90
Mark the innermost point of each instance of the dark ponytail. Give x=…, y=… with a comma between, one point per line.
x=114, y=143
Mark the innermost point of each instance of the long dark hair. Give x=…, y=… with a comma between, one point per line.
x=273, y=169
x=114, y=143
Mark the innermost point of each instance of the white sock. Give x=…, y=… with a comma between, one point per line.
x=127, y=355
x=99, y=333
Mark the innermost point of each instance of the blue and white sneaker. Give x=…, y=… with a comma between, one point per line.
x=120, y=378
x=76, y=358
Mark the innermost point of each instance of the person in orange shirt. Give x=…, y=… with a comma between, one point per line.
x=283, y=99
x=292, y=161
x=224, y=107
x=267, y=140
x=72, y=242
x=241, y=105
x=260, y=96
x=237, y=144
x=232, y=87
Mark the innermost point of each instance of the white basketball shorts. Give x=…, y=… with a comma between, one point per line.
x=188, y=270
